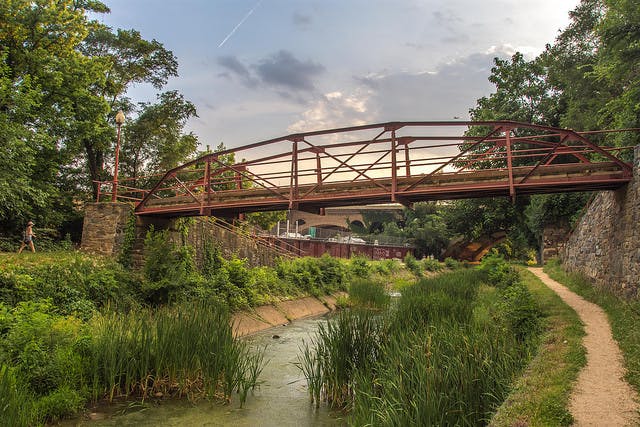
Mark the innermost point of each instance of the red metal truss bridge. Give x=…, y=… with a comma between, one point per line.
x=402, y=162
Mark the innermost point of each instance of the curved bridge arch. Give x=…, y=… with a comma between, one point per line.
x=402, y=162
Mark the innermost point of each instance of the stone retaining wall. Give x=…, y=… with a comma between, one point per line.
x=105, y=224
x=269, y=316
x=204, y=228
x=605, y=245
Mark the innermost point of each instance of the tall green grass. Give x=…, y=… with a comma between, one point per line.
x=15, y=406
x=368, y=293
x=454, y=374
x=349, y=342
x=187, y=350
x=444, y=297
x=428, y=360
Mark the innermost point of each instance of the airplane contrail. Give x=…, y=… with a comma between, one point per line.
x=240, y=23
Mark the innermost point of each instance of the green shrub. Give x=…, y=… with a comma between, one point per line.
x=59, y=404
x=519, y=312
x=333, y=273
x=38, y=343
x=315, y=276
x=268, y=286
x=75, y=283
x=15, y=287
x=237, y=271
x=168, y=270
x=386, y=267
x=412, y=265
x=359, y=266
x=432, y=265
x=451, y=263
x=499, y=272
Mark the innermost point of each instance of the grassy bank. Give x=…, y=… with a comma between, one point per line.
x=77, y=328
x=445, y=354
x=623, y=314
x=541, y=396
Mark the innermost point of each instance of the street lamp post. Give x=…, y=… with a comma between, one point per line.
x=119, y=122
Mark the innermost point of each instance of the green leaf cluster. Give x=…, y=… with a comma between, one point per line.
x=63, y=75
x=585, y=80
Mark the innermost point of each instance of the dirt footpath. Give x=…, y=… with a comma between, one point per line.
x=601, y=397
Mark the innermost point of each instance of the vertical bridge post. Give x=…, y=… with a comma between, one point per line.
x=394, y=166
x=293, y=189
x=512, y=189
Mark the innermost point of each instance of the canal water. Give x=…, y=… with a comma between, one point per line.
x=281, y=399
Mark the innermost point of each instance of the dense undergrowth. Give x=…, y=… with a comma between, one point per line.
x=76, y=328
x=446, y=353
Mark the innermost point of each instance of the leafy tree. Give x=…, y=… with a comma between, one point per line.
x=155, y=140
x=522, y=93
x=62, y=76
x=128, y=59
x=618, y=64
x=266, y=220
x=569, y=64
x=561, y=209
x=44, y=100
x=425, y=226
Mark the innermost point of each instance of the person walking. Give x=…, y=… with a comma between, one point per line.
x=27, y=238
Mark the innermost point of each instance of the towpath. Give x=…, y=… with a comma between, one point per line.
x=601, y=396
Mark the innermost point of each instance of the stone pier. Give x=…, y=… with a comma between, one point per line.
x=104, y=227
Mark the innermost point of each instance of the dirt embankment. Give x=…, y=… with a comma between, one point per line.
x=268, y=316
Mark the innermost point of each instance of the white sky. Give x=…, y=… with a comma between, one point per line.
x=303, y=65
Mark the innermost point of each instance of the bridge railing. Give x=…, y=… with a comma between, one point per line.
x=392, y=161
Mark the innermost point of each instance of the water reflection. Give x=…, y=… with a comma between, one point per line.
x=281, y=400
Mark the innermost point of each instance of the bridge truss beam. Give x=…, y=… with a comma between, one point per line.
x=401, y=162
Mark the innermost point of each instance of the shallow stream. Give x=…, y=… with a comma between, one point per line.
x=281, y=399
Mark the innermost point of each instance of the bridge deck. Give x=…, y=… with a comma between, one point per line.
x=443, y=186
x=403, y=162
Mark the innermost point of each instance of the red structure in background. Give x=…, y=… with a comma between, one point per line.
x=317, y=248
x=402, y=162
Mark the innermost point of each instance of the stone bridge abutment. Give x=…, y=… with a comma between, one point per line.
x=105, y=229
x=605, y=244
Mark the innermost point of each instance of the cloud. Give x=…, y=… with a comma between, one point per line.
x=285, y=70
x=301, y=21
x=451, y=27
x=446, y=17
x=443, y=93
x=290, y=77
x=233, y=64
x=334, y=109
